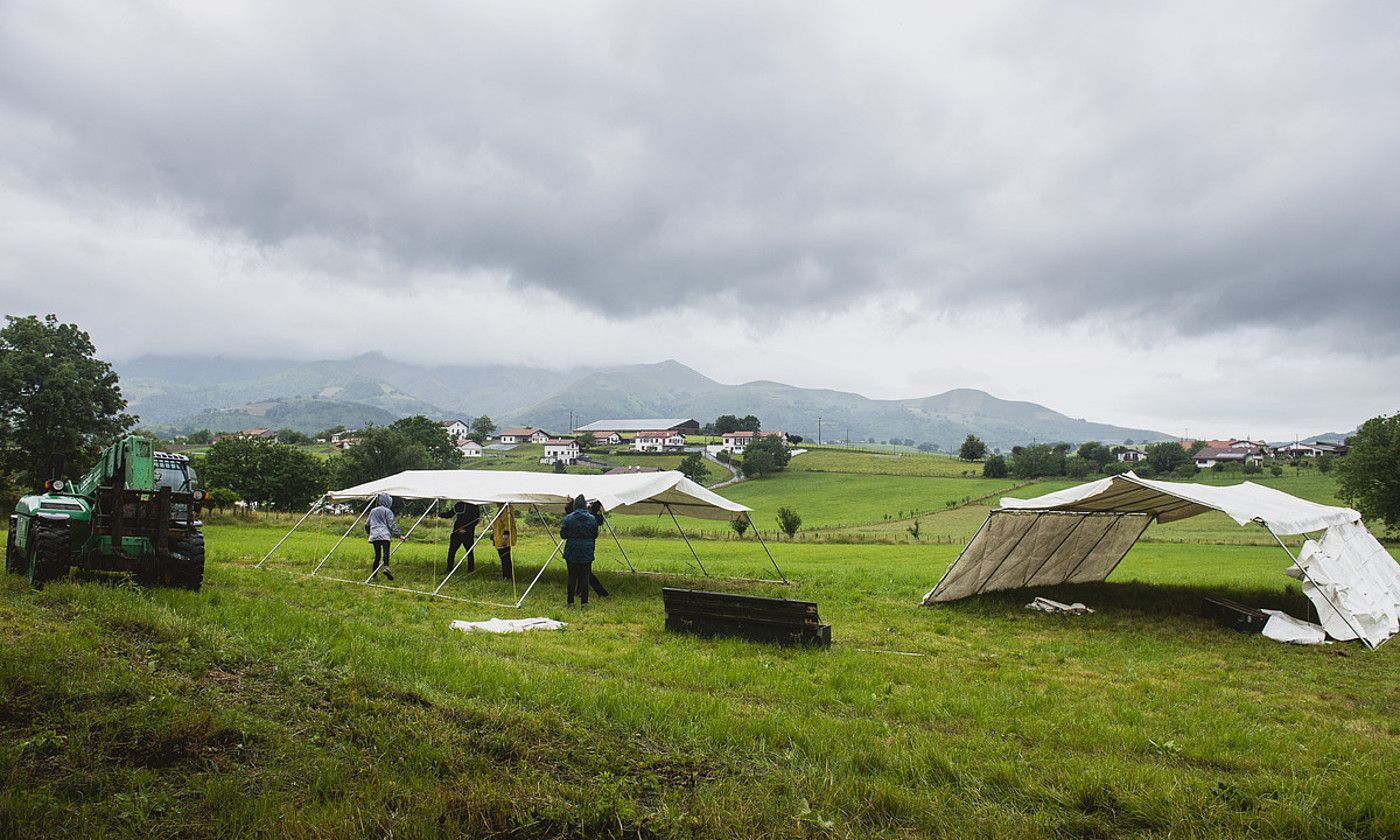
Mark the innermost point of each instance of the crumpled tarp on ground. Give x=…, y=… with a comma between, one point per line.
x=508, y=625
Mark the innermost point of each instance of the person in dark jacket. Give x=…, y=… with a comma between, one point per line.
x=464, y=516
x=580, y=533
x=382, y=529
x=596, y=508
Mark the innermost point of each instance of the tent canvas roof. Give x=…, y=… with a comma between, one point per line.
x=635, y=493
x=1170, y=501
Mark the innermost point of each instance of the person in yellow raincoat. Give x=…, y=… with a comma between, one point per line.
x=503, y=537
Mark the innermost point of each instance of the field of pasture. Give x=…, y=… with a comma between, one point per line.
x=274, y=702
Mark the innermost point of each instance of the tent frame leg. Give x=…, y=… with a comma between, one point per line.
x=314, y=505
x=538, y=574
x=681, y=531
x=403, y=540
x=765, y=548
x=478, y=539
x=342, y=538
x=609, y=526
x=1308, y=578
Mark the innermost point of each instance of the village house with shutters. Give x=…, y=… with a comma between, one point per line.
x=456, y=429
x=666, y=441
x=560, y=451
x=737, y=442
x=524, y=434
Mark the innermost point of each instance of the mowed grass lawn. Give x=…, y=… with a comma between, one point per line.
x=274, y=704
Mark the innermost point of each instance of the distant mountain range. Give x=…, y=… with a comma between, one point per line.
x=183, y=394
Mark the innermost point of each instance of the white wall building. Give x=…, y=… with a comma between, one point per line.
x=469, y=448
x=456, y=429
x=658, y=441
x=560, y=451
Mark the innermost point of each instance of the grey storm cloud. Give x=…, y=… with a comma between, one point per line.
x=1205, y=167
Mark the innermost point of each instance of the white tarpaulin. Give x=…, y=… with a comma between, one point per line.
x=1170, y=501
x=1079, y=535
x=638, y=493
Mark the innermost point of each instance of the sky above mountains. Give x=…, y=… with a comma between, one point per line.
x=1175, y=218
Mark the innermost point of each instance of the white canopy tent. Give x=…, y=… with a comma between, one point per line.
x=656, y=493
x=1080, y=534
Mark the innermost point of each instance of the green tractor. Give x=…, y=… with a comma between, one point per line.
x=136, y=511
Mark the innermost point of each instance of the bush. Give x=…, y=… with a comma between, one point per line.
x=740, y=525
x=994, y=467
x=789, y=521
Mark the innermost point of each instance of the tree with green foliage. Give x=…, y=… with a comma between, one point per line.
x=292, y=437
x=1185, y=470
x=1077, y=467
x=693, y=467
x=1097, y=454
x=789, y=521
x=284, y=477
x=1275, y=470
x=203, y=436
x=586, y=441
x=1166, y=457
x=1037, y=461
x=765, y=455
x=221, y=498
x=482, y=428
x=994, y=467
x=726, y=423
x=740, y=525
x=749, y=423
x=973, y=449
x=1368, y=478
x=381, y=451
x=56, y=399
x=443, y=453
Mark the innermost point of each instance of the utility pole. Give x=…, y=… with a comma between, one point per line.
x=819, y=431
x=848, y=437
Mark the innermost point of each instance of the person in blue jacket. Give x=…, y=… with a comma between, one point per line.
x=382, y=529
x=580, y=533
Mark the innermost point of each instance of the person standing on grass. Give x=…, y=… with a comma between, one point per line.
x=580, y=533
x=464, y=516
x=596, y=508
x=382, y=529
x=503, y=537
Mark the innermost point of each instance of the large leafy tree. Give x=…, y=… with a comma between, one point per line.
x=1369, y=476
x=56, y=398
x=442, y=451
x=1037, y=461
x=268, y=473
x=973, y=449
x=766, y=454
x=381, y=451
x=1166, y=457
x=693, y=467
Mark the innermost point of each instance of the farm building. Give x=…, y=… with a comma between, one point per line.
x=688, y=426
x=469, y=448
x=739, y=441
x=658, y=441
x=524, y=434
x=456, y=429
x=560, y=451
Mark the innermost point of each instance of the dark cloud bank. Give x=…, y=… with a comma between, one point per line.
x=1205, y=168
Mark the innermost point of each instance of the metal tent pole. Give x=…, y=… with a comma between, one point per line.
x=687, y=540
x=538, y=574
x=1340, y=614
x=765, y=546
x=309, y=511
x=609, y=526
x=342, y=538
x=457, y=566
x=403, y=540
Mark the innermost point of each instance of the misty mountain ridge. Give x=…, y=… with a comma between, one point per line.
x=182, y=394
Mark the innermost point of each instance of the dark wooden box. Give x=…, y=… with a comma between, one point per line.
x=760, y=619
x=1234, y=615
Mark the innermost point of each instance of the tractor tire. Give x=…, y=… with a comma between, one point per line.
x=186, y=568
x=50, y=555
x=14, y=561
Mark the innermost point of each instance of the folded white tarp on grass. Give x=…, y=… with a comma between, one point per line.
x=638, y=493
x=1282, y=627
x=1350, y=569
x=1047, y=605
x=508, y=625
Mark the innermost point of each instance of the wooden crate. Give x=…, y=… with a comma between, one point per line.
x=760, y=619
x=1234, y=615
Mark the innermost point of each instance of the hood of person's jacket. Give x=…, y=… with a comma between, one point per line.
x=460, y=507
x=384, y=500
x=580, y=503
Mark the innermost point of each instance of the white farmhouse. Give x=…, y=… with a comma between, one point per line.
x=737, y=442
x=469, y=448
x=523, y=434
x=560, y=451
x=658, y=441
x=456, y=429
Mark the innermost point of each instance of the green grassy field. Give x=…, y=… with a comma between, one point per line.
x=274, y=703
x=839, y=460
x=271, y=703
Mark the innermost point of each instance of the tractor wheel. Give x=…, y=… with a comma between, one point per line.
x=186, y=567
x=49, y=555
x=14, y=561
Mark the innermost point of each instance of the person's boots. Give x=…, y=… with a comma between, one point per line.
x=387, y=574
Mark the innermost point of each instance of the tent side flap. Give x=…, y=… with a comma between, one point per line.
x=1016, y=549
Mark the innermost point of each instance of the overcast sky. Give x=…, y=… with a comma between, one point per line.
x=1184, y=219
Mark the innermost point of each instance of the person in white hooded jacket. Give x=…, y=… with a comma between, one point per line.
x=382, y=529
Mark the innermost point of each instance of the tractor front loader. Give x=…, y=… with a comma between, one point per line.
x=136, y=511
